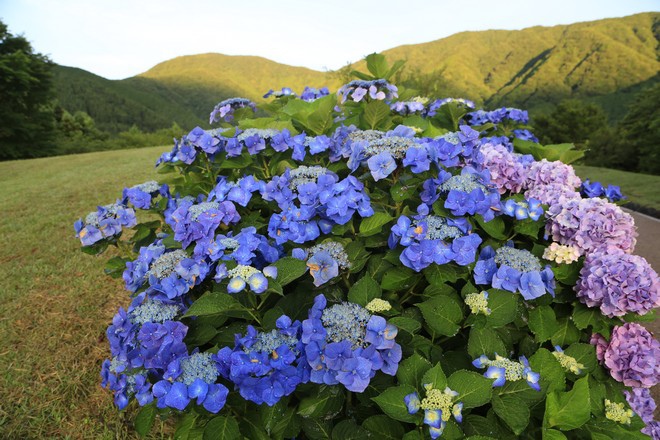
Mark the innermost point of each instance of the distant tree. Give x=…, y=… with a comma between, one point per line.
x=571, y=121
x=27, y=123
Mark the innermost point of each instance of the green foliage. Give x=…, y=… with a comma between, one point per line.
x=26, y=111
x=571, y=121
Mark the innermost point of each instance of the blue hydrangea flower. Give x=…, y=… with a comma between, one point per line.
x=142, y=195
x=378, y=89
x=189, y=378
x=523, y=209
x=431, y=239
x=406, y=108
x=502, y=370
x=433, y=107
x=285, y=91
x=595, y=189
x=438, y=408
x=199, y=221
x=381, y=165
x=501, y=115
x=346, y=344
x=324, y=260
x=242, y=276
x=311, y=94
x=525, y=135
x=106, y=222
x=515, y=270
x=225, y=109
x=172, y=274
x=266, y=366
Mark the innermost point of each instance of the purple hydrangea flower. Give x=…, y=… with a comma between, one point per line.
x=618, y=283
x=106, y=222
x=507, y=171
x=225, y=109
x=641, y=401
x=378, y=89
x=633, y=356
x=381, y=165
x=591, y=225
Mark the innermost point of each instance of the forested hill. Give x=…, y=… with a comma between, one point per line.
x=605, y=61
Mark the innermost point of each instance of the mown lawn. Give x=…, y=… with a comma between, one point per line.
x=643, y=189
x=55, y=301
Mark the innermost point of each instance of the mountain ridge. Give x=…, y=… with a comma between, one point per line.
x=533, y=68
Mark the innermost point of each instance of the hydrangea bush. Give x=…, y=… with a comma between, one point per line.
x=375, y=263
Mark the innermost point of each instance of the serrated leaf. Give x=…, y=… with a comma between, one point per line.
x=392, y=403
x=528, y=227
x=473, y=389
x=145, y=419
x=436, y=377
x=503, y=307
x=222, y=428
x=410, y=325
x=513, y=411
x=328, y=401
x=398, y=278
x=218, y=304
x=289, y=269
x=484, y=341
x=553, y=377
x=317, y=429
x=376, y=114
x=543, y=323
x=442, y=314
x=439, y=274
x=566, y=333
x=357, y=255
x=584, y=354
x=568, y=410
x=495, y=228
x=374, y=224
x=385, y=427
x=412, y=369
x=553, y=434
x=377, y=65
x=364, y=290
x=348, y=430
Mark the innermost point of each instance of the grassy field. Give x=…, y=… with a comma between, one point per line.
x=643, y=189
x=55, y=301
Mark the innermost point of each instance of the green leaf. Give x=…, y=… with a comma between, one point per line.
x=317, y=429
x=484, y=341
x=436, y=377
x=584, y=316
x=234, y=163
x=398, y=64
x=398, y=278
x=571, y=156
x=402, y=191
x=115, y=266
x=439, y=274
x=474, y=389
x=410, y=325
x=218, y=304
x=412, y=369
x=385, y=427
x=357, y=255
x=289, y=269
x=200, y=334
x=568, y=410
x=503, y=307
x=329, y=400
x=513, y=411
x=348, y=430
x=321, y=119
x=442, y=314
x=567, y=273
x=364, y=290
x=145, y=419
x=552, y=434
x=222, y=428
x=377, y=65
x=584, y=354
x=543, y=323
x=376, y=115
x=528, y=227
x=374, y=224
x=566, y=334
x=553, y=377
x=495, y=228
x=392, y=404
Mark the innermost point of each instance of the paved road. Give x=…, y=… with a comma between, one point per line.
x=648, y=246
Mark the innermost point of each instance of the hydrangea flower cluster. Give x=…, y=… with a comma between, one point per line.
x=515, y=270
x=141, y=196
x=242, y=276
x=502, y=370
x=641, y=401
x=618, y=283
x=561, y=253
x=285, y=91
x=591, y=225
x=408, y=107
x=631, y=355
x=478, y=303
x=106, y=222
x=432, y=239
x=225, y=109
x=433, y=107
x=567, y=362
x=470, y=192
x=596, y=189
x=266, y=366
x=617, y=412
x=498, y=116
x=523, y=209
x=346, y=344
x=188, y=378
x=322, y=201
x=379, y=89
x=508, y=170
x=551, y=182
x=193, y=222
x=438, y=408
x=324, y=261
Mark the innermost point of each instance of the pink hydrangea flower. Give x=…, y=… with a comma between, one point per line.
x=633, y=356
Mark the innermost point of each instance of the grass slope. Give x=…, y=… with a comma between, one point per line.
x=55, y=301
x=641, y=189
x=604, y=61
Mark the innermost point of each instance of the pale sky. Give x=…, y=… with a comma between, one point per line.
x=122, y=38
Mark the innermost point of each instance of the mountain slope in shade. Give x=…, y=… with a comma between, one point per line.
x=604, y=61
